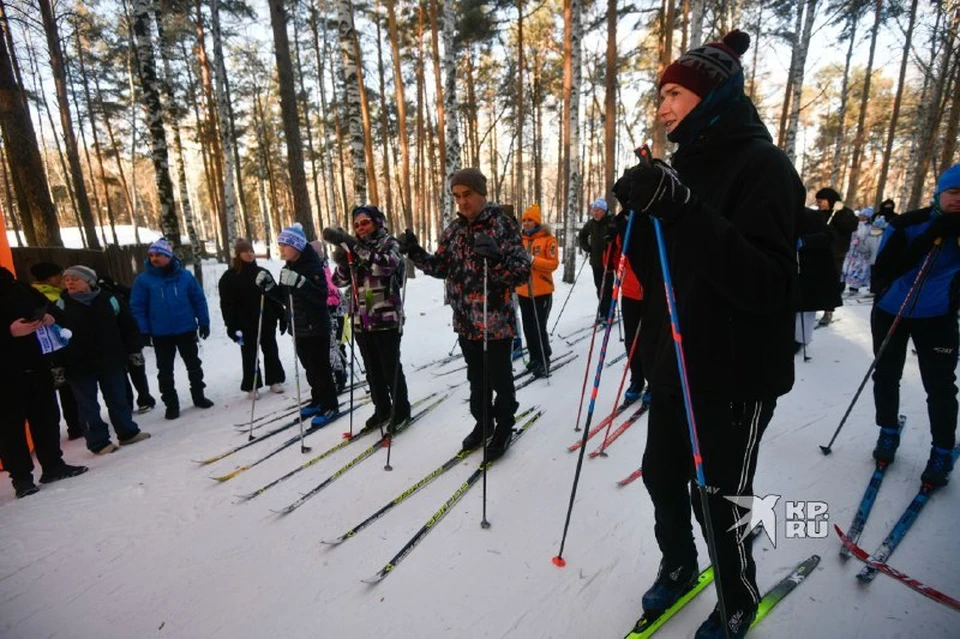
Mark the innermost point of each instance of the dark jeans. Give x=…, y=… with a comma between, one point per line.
x=166, y=347
x=632, y=311
x=271, y=358
x=29, y=397
x=936, y=340
x=113, y=386
x=729, y=436
x=68, y=409
x=604, y=289
x=314, y=353
x=499, y=376
x=381, y=355
x=531, y=322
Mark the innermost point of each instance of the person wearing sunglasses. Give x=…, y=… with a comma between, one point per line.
x=378, y=316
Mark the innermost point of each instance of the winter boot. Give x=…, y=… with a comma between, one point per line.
x=633, y=392
x=61, y=472
x=276, y=388
x=139, y=437
x=172, y=412
x=887, y=444
x=325, y=417
x=200, y=401
x=826, y=318
x=375, y=421
x=738, y=623
x=24, y=487
x=310, y=410
x=937, y=472
x=145, y=403
x=538, y=370
x=499, y=442
x=671, y=584
x=109, y=448
x=400, y=417
x=475, y=438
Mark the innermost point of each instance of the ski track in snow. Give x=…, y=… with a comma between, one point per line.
x=145, y=544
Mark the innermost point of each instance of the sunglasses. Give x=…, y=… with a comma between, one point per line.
x=359, y=224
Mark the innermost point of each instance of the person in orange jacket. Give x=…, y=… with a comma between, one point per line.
x=536, y=296
x=631, y=305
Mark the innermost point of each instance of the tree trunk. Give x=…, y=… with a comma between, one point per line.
x=384, y=128
x=573, y=32
x=519, y=194
x=892, y=129
x=858, y=141
x=666, y=49
x=791, y=75
x=790, y=139
x=150, y=97
x=610, y=103
x=326, y=161
x=175, y=115
x=291, y=120
x=37, y=213
x=438, y=71
x=696, y=23
x=58, y=70
x=134, y=109
x=351, y=79
x=842, y=113
x=305, y=100
x=394, y=33
x=953, y=123
x=220, y=85
x=452, y=136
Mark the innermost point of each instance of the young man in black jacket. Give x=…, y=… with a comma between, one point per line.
x=303, y=281
x=842, y=223
x=595, y=239
x=27, y=392
x=728, y=206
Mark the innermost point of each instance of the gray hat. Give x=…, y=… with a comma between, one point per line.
x=472, y=178
x=84, y=273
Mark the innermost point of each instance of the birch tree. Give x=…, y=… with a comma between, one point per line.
x=150, y=100
x=793, y=120
x=854, y=183
x=351, y=82
x=226, y=143
x=573, y=33
x=452, y=129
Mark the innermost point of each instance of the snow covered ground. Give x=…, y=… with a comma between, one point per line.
x=146, y=544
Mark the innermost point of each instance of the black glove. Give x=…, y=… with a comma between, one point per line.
x=231, y=333
x=339, y=237
x=147, y=340
x=204, y=332
x=136, y=359
x=652, y=189
x=340, y=257
x=410, y=245
x=486, y=247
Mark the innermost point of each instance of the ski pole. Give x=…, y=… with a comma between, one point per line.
x=296, y=369
x=486, y=390
x=567, y=299
x=256, y=370
x=536, y=321
x=593, y=337
x=917, y=286
x=354, y=305
x=621, y=266
x=803, y=330
x=623, y=380
x=396, y=366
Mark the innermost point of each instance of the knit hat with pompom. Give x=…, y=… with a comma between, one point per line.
x=703, y=69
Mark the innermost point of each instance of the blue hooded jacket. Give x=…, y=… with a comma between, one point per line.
x=168, y=301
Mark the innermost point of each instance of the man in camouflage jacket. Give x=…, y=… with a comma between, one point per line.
x=481, y=245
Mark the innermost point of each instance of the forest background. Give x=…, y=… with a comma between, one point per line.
x=210, y=120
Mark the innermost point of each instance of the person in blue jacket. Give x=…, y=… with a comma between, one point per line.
x=923, y=239
x=171, y=311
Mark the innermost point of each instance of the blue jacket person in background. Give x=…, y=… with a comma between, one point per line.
x=927, y=236
x=171, y=312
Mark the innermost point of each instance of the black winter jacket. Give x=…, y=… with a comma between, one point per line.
x=310, y=315
x=818, y=274
x=240, y=301
x=842, y=225
x=19, y=354
x=732, y=255
x=593, y=239
x=104, y=335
